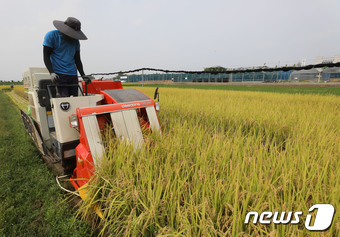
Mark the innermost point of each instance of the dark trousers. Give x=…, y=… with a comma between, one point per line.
x=66, y=91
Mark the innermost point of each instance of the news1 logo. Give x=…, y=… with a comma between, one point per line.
x=323, y=218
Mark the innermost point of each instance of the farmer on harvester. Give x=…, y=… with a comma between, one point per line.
x=62, y=55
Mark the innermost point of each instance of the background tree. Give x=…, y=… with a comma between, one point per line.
x=215, y=69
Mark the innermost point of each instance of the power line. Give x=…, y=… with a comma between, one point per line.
x=227, y=71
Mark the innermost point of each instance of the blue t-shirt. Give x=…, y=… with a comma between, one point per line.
x=62, y=57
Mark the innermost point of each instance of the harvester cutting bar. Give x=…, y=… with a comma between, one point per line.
x=127, y=120
x=125, y=124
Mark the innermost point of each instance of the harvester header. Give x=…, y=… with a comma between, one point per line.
x=68, y=130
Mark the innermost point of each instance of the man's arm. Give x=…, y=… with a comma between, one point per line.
x=79, y=64
x=48, y=64
x=47, y=59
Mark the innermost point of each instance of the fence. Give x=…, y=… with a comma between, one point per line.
x=209, y=77
x=316, y=75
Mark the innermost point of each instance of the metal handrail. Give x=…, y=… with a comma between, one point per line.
x=62, y=85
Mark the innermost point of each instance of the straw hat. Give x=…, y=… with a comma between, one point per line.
x=70, y=27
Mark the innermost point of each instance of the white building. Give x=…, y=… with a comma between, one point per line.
x=320, y=59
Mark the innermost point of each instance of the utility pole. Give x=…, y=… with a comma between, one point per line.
x=320, y=71
x=263, y=76
x=142, y=78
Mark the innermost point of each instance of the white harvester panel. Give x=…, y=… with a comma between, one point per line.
x=153, y=119
x=126, y=126
x=94, y=138
x=61, y=115
x=33, y=75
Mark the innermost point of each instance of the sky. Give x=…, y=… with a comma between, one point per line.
x=173, y=34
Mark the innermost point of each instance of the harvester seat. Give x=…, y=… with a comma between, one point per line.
x=43, y=95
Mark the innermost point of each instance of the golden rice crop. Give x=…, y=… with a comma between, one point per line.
x=221, y=155
x=21, y=91
x=5, y=87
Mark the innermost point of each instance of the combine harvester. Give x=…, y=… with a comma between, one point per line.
x=68, y=130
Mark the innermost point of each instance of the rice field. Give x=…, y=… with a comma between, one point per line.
x=221, y=155
x=20, y=91
x=17, y=89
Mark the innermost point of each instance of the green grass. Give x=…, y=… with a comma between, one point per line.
x=275, y=89
x=31, y=202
